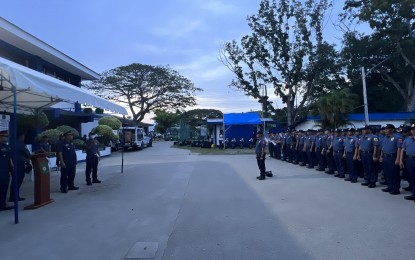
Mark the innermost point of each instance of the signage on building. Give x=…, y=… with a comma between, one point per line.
x=4, y=122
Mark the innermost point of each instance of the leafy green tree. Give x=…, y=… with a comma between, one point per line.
x=334, y=107
x=145, y=88
x=164, y=120
x=110, y=121
x=286, y=52
x=38, y=120
x=196, y=117
x=64, y=128
x=105, y=134
x=393, y=24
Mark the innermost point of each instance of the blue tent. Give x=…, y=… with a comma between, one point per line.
x=241, y=125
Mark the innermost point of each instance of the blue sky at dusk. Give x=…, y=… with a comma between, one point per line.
x=185, y=34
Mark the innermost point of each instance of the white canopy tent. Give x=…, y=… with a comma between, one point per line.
x=35, y=90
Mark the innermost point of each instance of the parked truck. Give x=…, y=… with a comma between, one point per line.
x=133, y=137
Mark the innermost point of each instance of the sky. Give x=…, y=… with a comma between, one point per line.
x=184, y=34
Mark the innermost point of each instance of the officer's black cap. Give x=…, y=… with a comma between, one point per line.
x=367, y=128
x=389, y=126
x=352, y=130
x=338, y=130
x=300, y=131
x=320, y=130
x=259, y=133
x=68, y=133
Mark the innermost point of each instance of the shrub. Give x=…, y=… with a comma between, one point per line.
x=88, y=110
x=99, y=110
x=64, y=128
x=79, y=144
x=52, y=134
x=105, y=134
x=39, y=120
x=110, y=121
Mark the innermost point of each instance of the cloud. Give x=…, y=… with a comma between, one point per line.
x=219, y=7
x=178, y=27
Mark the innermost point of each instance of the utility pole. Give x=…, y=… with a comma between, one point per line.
x=365, y=97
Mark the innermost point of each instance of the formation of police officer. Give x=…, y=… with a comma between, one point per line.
x=92, y=159
x=353, y=153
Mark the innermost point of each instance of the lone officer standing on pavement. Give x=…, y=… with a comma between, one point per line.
x=6, y=167
x=68, y=160
x=260, y=155
x=92, y=159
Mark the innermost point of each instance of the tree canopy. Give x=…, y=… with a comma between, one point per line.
x=145, y=88
x=164, y=120
x=285, y=51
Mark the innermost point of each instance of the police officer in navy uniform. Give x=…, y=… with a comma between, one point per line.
x=260, y=154
x=338, y=150
x=389, y=145
x=6, y=166
x=407, y=160
x=328, y=151
x=277, y=146
x=92, y=159
x=368, y=146
x=318, y=149
x=23, y=157
x=404, y=132
x=68, y=160
x=350, y=154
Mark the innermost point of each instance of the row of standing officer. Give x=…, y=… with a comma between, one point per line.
x=357, y=153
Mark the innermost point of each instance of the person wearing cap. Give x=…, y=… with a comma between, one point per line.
x=286, y=146
x=277, y=146
x=389, y=157
x=350, y=154
x=23, y=157
x=309, y=148
x=405, y=132
x=338, y=150
x=260, y=154
x=271, y=144
x=328, y=151
x=67, y=158
x=367, y=152
x=6, y=166
x=318, y=149
x=301, y=155
x=407, y=160
x=92, y=159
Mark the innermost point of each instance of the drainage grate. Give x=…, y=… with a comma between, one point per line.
x=143, y=250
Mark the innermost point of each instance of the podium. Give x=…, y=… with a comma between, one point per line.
x=42, y=180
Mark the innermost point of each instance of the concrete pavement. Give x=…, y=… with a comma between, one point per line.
x=172, y=204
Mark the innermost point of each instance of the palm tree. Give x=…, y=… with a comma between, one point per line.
x=334, y=108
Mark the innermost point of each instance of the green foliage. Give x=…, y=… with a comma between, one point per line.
x=110, y=121
x=285, y=50
x=65, y=128
x=99, y=110
x=145, y=88
x=88, y=110
x=104, y=133
x=39, y=120
x=165, y=120
x=52, y=134
x=333, y=108
x=79, y=144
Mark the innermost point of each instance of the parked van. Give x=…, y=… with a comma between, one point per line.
x=133, y=137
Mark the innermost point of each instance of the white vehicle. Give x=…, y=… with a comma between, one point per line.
x=148, y=141
x=133, y=137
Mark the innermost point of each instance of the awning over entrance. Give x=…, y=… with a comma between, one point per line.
x=241, y=119
x=36, y=91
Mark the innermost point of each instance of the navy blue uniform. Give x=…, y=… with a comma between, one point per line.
x=319, y=147
x=349, y=150
x=367, y=145
x=338, y=149
x=390, y=145
x=92, y=158
x=5, y=166
x=23, y=155
x=309, y=146
x=409, y=149
x=260, y=155
x=329, y=154
x=69, y=158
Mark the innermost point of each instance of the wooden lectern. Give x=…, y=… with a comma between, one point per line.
x=42, y=180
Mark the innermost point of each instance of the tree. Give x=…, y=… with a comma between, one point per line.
x=196, y=117
x=144, y=88
x=393, y=24
x=285, y=51
x=334, y=107
x=164, y=120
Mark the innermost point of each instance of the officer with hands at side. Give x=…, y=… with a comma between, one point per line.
x=92, y=159
x=68, y=160
x=260, y=154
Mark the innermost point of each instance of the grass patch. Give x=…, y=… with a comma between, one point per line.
x=217, y=151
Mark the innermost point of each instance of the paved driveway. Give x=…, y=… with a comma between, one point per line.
x=171, y=204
